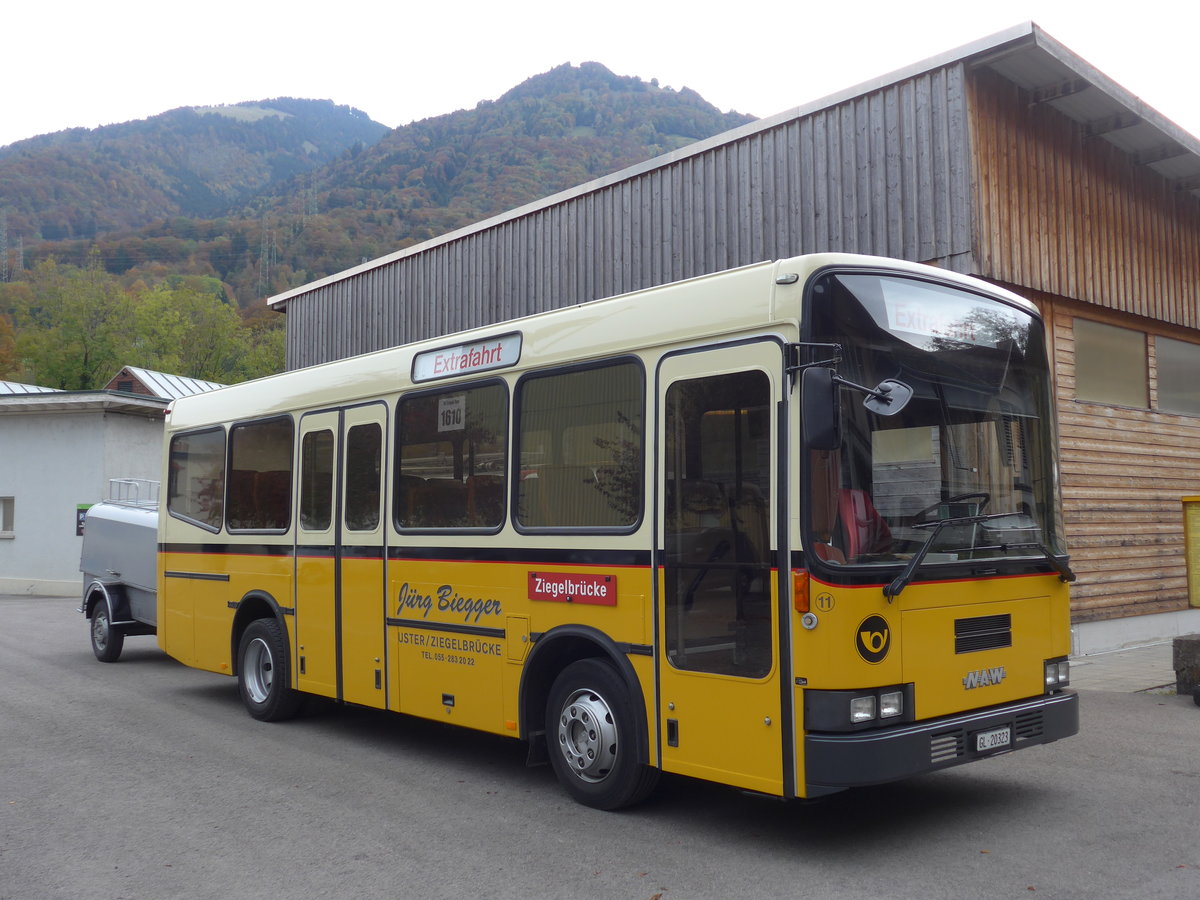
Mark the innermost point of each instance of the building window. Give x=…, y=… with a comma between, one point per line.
x=1178, y=376
x=1110, y=365
x=6, y=518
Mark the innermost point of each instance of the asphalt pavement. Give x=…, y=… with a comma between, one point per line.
x=146, y=779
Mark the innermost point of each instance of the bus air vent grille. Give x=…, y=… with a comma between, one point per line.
x=982, y=633
x=1028, y=725
x=945, y=747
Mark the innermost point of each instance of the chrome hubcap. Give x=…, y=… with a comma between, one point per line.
x=259, y=670
x=587, y=735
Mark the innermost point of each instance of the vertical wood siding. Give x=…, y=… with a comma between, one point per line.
x=1061, y=213
x=1068, y=216
x=886, y=173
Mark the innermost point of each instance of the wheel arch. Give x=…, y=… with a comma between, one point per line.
x=552, y=652
x=253, y=606
x=112, y=595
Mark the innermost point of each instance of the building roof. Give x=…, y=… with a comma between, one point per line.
x=49, y=401
x=13, y=387
x=166, y=386
x=1025, y=55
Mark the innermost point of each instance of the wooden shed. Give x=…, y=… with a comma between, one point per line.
x=1010, y=159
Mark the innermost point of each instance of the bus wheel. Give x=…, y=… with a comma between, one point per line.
x=590, y=733
x=263, y=676
x=107, y=641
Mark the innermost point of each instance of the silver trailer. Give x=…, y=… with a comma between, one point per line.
x=119, y=564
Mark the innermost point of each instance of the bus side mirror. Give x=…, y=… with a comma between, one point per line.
x=819, y=414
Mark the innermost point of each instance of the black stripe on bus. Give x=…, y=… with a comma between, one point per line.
x=196, y=576
x=228, y=549
x=539, y=556
x=424, y=625
x=354, y=551
x=283, y=610
x=624, y=647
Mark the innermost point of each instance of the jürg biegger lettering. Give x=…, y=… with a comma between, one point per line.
x=447, y=599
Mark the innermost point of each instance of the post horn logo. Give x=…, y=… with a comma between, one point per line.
x=873, y=639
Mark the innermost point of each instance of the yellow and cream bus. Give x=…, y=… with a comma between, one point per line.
x=792, y=527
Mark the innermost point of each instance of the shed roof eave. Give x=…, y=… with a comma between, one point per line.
x=84, y=401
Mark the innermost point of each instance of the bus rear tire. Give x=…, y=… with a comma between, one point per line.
x=107, y=641
x=264, y=675
x=591, y=740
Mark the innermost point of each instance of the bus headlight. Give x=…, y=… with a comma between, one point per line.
x=1058, y=674
x=862, y=709
x=858, y=709
x=891, y=704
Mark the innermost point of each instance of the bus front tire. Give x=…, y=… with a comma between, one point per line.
x=590, y=737
x=264, y=678
x=107, y=641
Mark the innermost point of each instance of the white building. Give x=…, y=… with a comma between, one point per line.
x=58, y=451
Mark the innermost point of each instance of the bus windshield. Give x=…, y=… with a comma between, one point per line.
x=975, y=442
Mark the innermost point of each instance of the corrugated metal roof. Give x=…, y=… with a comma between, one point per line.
x=13, y=387
x=1025, y=55
x=171, y=387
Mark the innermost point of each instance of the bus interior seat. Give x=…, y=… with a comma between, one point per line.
x=485, y=500
x=864, y=528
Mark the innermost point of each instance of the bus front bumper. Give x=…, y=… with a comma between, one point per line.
x=834, y=762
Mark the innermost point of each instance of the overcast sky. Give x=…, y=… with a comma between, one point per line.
x=70, y=64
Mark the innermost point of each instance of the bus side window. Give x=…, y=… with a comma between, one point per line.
x=196, y=478
x=451, y=458
x=581, y=444
x=364, y=445
x=260, y=476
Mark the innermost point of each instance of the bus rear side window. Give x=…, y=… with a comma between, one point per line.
x=196, y=478
x=581, y=449
x=260, y=476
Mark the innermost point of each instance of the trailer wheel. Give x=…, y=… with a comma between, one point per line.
x=107, y=641
x=264, y=676
x=590, y=736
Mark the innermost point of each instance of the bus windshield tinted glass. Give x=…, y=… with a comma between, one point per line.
x=975, y=440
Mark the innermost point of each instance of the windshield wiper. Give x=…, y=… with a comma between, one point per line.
x=892, y=591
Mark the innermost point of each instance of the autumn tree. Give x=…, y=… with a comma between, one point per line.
x=187, y=331
x=9, y=365
x=73, y=327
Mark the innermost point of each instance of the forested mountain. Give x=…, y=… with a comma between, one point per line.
x=208, y=192
x=236, y=203
x=194, y=162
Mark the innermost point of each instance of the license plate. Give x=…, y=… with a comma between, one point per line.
x=993, y=739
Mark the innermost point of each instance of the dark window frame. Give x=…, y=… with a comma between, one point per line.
x=229, y=470
x=171, y=478
x=515, y=486
x=440, y=389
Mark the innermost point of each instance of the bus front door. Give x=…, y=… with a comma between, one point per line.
x=719, y=703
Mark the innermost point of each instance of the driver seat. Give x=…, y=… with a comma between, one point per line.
x=864, y=528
